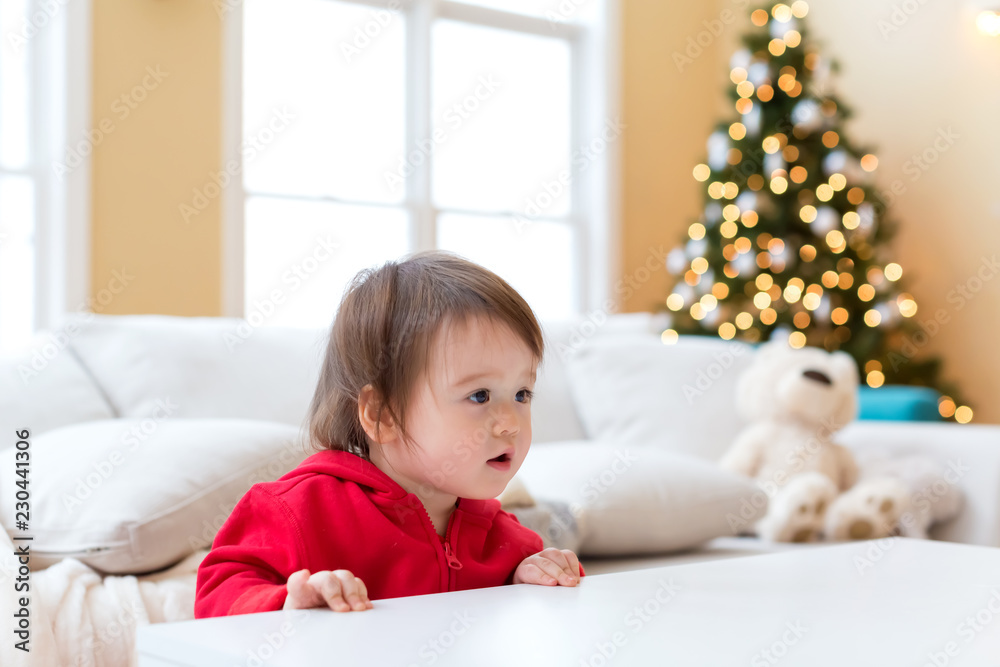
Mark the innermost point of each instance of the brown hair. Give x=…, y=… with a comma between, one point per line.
x=383, y=331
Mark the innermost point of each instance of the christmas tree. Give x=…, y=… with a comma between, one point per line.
x=793, y=240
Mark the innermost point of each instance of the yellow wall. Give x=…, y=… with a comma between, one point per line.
x=669, y=109
x=157, y=154
x=905, y=85
x=902, y=90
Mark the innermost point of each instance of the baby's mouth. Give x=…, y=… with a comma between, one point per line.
x=503, y=458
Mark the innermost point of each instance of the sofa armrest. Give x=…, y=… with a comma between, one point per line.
x=971, y=451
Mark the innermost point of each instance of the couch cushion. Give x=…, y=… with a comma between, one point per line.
x=44, y=387
x=204, y=367
x=554, y=415
x=134, y=495
x=969, y=452
x=633, y=501
x=638, y=392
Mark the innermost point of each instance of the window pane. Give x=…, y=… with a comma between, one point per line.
x=501, y=100
x=14, y=99
x=338, y=70
x=536, y=258
x=554, y=10
x=300, y=255
x=17, y=262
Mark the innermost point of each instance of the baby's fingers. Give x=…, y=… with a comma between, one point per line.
x=531, y=572
x=327, y=585
x=566, y=562
x=353, y=590
x=554, y=572
x=572, y=563
x=301, y=594
x=363, y=593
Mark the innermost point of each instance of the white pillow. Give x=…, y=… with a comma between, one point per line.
x=639, y=392
x=135, y=495
x=44, y=388
x=207, y=367
x=553, y=413
x=634, y=501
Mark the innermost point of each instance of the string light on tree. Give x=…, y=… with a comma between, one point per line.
x=789, y=239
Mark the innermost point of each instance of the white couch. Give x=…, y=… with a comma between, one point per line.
x=131, y=367
x=219, y=395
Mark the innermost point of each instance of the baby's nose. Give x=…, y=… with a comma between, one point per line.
x=505, y=421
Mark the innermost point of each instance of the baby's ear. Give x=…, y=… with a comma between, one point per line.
x=375, y=419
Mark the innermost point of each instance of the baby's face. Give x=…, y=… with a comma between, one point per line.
x=470, y=414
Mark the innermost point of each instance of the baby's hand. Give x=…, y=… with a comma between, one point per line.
x=549, y=567
x=339, y=590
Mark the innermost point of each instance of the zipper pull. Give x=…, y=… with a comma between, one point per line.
x=453, y=561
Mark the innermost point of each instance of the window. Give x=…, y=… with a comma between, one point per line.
x=44, y=68
x=364, y=130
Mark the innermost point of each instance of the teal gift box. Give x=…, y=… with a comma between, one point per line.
x=899, y=403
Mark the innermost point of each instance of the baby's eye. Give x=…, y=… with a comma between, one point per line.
x=480, y=396
x=525, y=395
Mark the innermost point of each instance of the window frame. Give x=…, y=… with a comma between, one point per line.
x=595, y=102
x=59, y=56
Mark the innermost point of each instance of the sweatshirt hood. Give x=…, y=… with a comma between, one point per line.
x=352, y=468
x=348, y=467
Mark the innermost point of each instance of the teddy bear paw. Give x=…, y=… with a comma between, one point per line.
x=871, y=510
x=797, y=511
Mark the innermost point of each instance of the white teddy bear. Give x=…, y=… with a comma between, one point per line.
x=796, y=400
x=897, y=495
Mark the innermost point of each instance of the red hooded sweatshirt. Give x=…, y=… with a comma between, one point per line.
x=337, y=511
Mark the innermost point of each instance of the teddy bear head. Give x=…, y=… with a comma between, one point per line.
x=807, y=385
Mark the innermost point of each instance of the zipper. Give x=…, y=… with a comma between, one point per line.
x=453, y=561
x=449, y=554
x=69, y=553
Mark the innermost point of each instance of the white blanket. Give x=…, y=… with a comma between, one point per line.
x=81, y=619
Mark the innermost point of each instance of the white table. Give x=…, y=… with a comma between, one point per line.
x=887, y=602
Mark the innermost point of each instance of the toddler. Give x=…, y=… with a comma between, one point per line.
x=422, y=415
